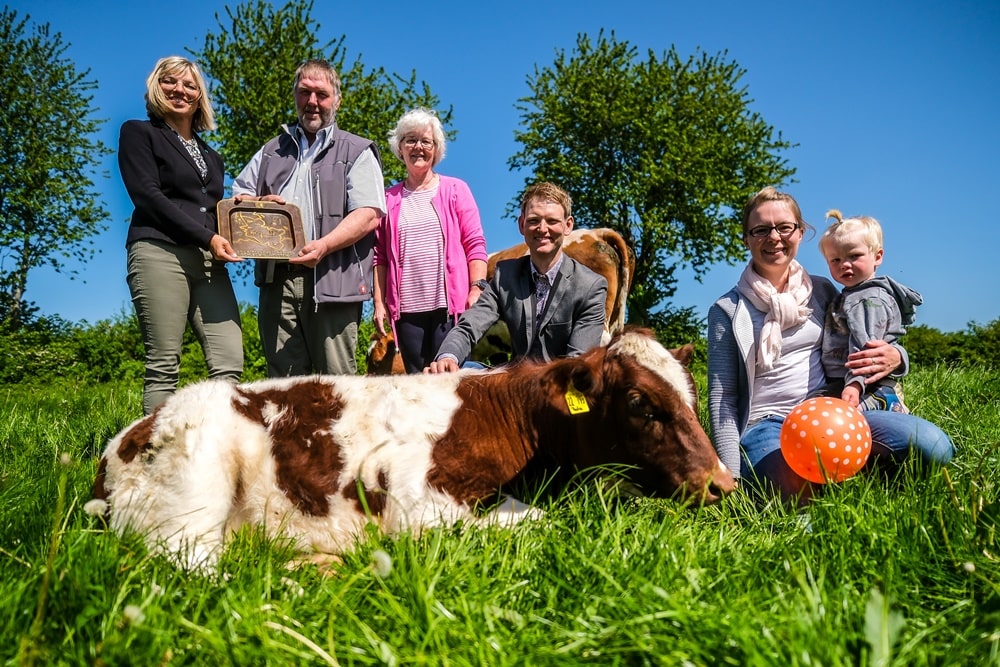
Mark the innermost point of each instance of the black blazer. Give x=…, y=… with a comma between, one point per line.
x=172, y=201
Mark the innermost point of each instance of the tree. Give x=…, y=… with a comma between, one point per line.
x=48, y=207
x=250, y=63
x=665, y=151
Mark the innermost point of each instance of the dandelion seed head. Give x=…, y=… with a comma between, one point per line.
x=381, y=563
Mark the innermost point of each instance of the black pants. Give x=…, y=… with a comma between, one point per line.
x=419, y=335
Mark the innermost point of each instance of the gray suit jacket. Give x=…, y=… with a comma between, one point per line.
x=571, y=324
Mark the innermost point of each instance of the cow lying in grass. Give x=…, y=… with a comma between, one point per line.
x=317, y=458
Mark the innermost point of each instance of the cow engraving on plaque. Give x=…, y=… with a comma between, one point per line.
x=261, y=229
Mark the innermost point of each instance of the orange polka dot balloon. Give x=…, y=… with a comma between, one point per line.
x=825, y=440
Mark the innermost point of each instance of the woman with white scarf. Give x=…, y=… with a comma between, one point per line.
x=765, y=340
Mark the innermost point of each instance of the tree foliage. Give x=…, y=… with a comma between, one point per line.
x=49, y=348
x=250, y=63
x=978, y=345
x=664, y=150
x=48, y=207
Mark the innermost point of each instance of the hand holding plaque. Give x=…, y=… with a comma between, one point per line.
x=261, y=229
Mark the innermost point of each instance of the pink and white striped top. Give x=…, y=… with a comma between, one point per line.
x=421, y=250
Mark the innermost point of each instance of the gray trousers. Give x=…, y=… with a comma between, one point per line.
x=172, y=286
x=301, y=337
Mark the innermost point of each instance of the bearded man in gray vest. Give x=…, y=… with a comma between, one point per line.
x=310, y=306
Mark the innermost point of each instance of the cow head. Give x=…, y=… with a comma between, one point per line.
x=641, y=413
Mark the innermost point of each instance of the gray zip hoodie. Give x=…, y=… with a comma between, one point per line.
x=878, y=308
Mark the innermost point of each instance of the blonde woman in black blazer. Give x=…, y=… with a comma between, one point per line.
x=176, y=258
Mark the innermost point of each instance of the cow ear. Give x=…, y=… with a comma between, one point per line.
x=683, y=354
x=577, y=390
x=582, y=378
x=572, y=384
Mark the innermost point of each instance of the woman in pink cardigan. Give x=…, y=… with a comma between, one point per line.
x=430, y=253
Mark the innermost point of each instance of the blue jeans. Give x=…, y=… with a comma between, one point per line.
x=895, y=436
x=172, y=286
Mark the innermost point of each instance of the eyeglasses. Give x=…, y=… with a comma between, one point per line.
x=172, y=82
x=784, y=230
x=423, y=143
x=535, y=224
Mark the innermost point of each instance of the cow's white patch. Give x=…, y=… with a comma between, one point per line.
x=658, y=359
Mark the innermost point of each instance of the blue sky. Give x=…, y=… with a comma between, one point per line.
x=889, y=102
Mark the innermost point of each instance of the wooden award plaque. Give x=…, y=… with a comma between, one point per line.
x=261, y=229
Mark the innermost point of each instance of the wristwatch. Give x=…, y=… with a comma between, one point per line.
x=481, y=284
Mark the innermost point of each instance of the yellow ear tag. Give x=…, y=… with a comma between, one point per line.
x=576, y=401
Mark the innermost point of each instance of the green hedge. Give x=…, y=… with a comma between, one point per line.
x=110, y=350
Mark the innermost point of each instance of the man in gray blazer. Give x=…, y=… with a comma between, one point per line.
x=552, y=304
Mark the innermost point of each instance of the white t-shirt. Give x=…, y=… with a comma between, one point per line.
x=795, y=373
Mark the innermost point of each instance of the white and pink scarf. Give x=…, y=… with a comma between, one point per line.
x=784, y=309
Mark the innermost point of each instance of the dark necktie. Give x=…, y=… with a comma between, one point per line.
x=541, y=292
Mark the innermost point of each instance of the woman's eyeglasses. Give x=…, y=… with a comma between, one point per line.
x=423, y=143
x=784, y=230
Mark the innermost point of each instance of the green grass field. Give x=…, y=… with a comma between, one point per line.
x=875, y=572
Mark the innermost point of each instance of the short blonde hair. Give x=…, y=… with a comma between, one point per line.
x=842, y=228
x=547, y=192
x=413, y=121
x=157, y=105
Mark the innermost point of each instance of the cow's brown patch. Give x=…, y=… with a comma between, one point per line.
x=137, y=439
x=373, y=500
x=300, y=419
x=100, y=491
x=134, y=442
x=492, y=437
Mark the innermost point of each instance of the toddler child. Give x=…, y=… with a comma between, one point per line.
x=869, y=307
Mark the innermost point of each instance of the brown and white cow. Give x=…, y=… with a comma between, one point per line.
x=602, y=250
x=317, y=458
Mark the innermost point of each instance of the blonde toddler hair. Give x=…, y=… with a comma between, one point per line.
x=842, y=228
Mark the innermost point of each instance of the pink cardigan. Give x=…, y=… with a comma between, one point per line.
x=463, y=241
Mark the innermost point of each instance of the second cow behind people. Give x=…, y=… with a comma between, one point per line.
x=430, y=253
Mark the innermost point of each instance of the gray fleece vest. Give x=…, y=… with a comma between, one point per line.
x=345, y=275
